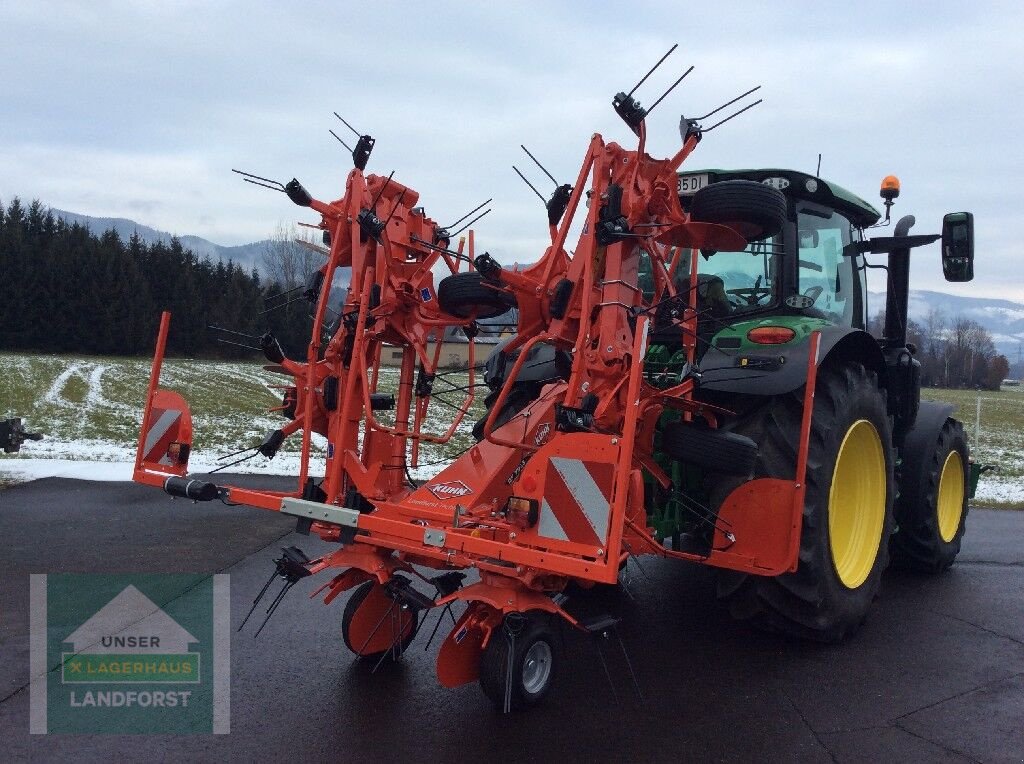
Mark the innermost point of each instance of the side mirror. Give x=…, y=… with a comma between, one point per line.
x=958, y=246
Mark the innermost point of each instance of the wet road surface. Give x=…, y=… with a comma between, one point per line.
x=936, y=674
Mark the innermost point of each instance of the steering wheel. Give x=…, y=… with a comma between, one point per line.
x=750, y=296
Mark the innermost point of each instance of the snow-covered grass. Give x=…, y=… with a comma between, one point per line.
x=90, y=410
x=1001, y=440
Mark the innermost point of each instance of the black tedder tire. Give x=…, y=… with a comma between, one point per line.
x=847, y=518
x=755, y=209
x=527, y=643
x=468, y=295
x=932, y=507
x=727, y=453
x=360, y=593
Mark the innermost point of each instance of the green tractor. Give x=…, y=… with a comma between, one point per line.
x=888, y=476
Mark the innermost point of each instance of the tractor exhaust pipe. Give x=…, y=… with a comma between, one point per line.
x=897, y=295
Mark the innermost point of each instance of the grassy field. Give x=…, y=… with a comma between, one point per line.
x=1000, y=441
x=91, y=408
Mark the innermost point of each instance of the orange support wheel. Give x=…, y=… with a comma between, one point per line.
x=374, y=625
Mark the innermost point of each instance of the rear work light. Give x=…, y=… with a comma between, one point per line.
x=771, y=335
x=522, y=512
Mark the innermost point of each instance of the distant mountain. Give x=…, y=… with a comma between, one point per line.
x=1004, y=319
x=246, y=255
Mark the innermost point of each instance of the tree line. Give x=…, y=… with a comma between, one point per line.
x=68, y=290
x=956, y=352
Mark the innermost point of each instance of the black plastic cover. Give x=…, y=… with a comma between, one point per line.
x=361, y=153
x=297, y=193
x=557, y=203
x=187, y=488
x=271, y=443
x=272, y=350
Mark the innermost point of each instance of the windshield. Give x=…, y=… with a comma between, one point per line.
x=749, y=278
x=826, y=275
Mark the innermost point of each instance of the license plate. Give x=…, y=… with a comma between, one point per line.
x=691, y=184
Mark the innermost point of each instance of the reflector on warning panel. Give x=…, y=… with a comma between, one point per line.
x=166, y=440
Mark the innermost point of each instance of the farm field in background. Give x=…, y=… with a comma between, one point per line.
x=1001, y=439
x=90, y=409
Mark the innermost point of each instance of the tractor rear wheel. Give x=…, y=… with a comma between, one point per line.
x=847, y=518
x=932, y=506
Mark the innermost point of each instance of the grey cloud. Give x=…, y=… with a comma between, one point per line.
x=112, y=105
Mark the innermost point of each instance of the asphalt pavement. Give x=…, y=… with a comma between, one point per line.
x=936, y=673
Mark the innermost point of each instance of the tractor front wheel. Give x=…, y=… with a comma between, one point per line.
x=847, y=518
x=518, y=665
x=932, y=506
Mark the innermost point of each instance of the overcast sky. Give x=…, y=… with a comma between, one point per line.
x=139, y=110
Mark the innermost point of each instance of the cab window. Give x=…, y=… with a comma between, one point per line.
x=825, y=276
x=748, y=279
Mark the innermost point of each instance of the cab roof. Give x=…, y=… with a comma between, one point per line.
x=830, y=194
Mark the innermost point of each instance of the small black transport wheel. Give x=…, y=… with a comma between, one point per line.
x=757, y=210
x=932, y=507
x=518, y=666
x=406, y=620
x=724, y=452
x=469, y=295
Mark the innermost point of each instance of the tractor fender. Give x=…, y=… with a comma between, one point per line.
x=776, y=370
x=919, y=445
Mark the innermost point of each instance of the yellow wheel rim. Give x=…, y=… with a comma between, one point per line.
x=950, y=505
x=856, y=503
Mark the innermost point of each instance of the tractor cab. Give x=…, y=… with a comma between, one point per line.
x=803, y=270
x=812, y=267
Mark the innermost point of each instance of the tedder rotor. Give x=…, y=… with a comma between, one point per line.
x=633, y=407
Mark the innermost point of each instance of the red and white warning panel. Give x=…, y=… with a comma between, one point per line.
x=166, y=438
x=572, y=479
x=575, y=505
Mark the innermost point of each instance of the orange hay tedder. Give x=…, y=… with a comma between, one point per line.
x=627, y=423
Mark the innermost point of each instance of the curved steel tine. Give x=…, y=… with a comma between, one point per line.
x=729, y=103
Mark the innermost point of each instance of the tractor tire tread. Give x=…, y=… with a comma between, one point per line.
x=810, y=603
x=494, y=662
x=917, y=544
